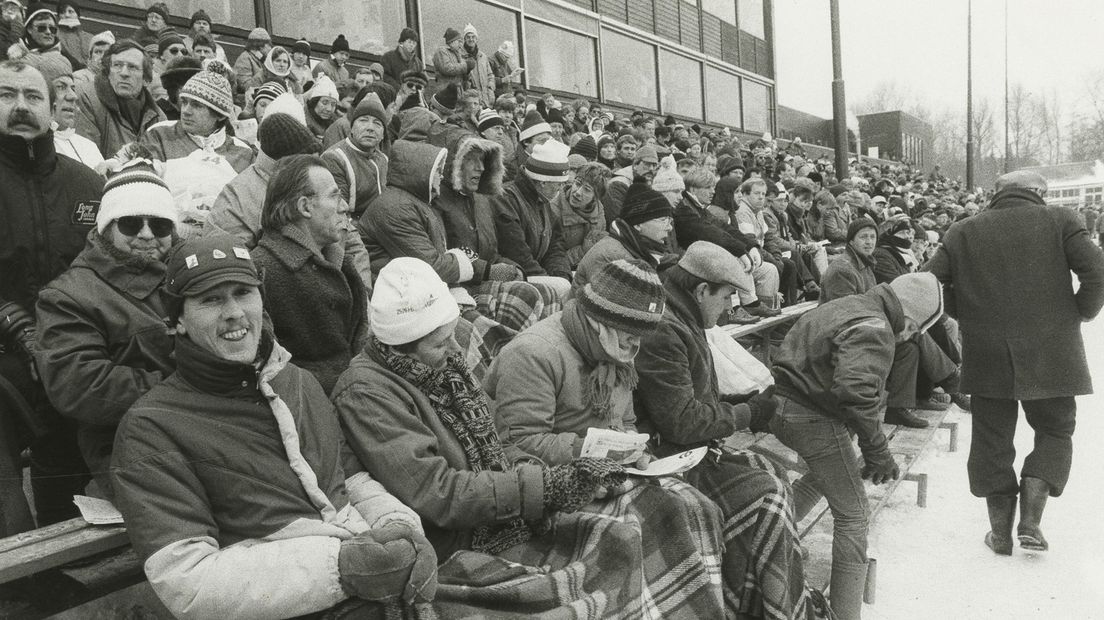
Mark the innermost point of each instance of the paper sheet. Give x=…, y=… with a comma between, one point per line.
x=617, y=446
x=674, y=464
x=98, y=511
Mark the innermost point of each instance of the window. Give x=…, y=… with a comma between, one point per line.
x=374, y=27
x=238, y=14
x=1094, y=195
x=756, y=107
x=722, y=101
x=628, y=70
x=1070, y=193
x=494, y=24
x=751, y=18
x=723, y=9
x=560, y=60
x=680, y=84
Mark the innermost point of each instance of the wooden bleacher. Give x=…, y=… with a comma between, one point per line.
x=766, y=328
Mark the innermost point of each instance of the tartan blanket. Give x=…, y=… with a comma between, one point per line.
x=763, y=571
x=502, y=311
x=652, y=552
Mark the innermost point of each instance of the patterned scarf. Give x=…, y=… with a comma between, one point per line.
x=461, y=405
x=608, y=373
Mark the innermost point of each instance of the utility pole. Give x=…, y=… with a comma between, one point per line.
x=839, y=102
x=969, y=95
x=1007, y=143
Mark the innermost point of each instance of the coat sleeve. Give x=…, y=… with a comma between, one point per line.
x=863, y=355
x=886, y=267
x=86, y=120
x=613, y=200
x=446, y=64
x=1087, y=261
x=666, y=393
x=555, y=260
x=389, y=440
x=81, y=379
x=244, y=73
x=398, y=229
x=336, y=165
x=524, y=388
x=228, y=215
x=940, y=266
x=838, y=283
x=511, y=235
x=169, y=520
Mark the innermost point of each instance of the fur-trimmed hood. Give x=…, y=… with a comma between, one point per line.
x=460, y=143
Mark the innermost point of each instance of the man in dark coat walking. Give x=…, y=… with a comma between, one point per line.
x=1009, y=284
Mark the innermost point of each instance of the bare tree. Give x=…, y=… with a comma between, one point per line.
x=1026, y=120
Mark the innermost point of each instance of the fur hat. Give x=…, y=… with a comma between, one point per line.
x=136, y=189
x=212, y=90
x=625, y=295
x=259, y=34
x=409, y=301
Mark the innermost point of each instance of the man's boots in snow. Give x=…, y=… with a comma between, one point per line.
x=1033, y=498
x=1002, y=513
x=846, y=594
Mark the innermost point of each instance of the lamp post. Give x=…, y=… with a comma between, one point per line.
x=969, y=95
x=839, y=102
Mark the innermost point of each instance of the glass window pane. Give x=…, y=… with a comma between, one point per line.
x=560, y=60
x=237, y=13
x=628, y=70
x=722, y=104
x=494, y=24
x=561, y=16
x=374, y=27
x=756, y=107
x=680, y=84
x=751, y=18
x=724, y=9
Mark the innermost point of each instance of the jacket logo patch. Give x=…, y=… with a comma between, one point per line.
x=191, y=261
x=218, y=254
x=84, y=213
x=241, y=253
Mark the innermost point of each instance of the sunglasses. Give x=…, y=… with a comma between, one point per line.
x=178, y=51
x=44, y=28
x=414, y=86
x=131, y=225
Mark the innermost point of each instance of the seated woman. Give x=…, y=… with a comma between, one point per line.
x=277, y=68
x=415, y=417
x=579, y=209
x=573, y=372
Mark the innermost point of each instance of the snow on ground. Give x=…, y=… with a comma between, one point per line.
x=932, y=562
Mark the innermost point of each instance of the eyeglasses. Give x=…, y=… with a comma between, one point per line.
x=131, y=225
x=414, y=86
x=177, y=51
x=44, y=28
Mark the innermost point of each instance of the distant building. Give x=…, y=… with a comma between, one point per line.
x=1075, y=184
x=896, y=135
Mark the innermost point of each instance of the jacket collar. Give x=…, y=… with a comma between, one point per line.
x=110, y=100
x=140, y=278
x=213, y=375
x=858, y=259
x=1015, y=197
x=291, y=247
x=264, y=165
x=528, y=190
x=681, y=306
x=31, y=156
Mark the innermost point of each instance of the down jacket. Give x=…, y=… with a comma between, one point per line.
x=528, y=232
x=232, y=486
x=101, y=120
x=167, y=140
x=361, y=176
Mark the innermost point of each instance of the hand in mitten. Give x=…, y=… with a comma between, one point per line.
x=388, y=563
x=505, y=272
x=763, y=406
x=879, y=465
x=571, y=486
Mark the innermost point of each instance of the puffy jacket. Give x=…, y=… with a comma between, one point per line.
x=103, y=341
x=232, y=486
x=836, y=357
x=450, y=66
x=167, y=140
x=849, y=274
x=48, y=204
x=528, y=233
x=101, y=121
x=361, y=176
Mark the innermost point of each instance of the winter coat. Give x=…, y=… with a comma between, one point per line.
x=319, y=309
x=361, y=176
x=338, y=130
x=450, y=66
x=693, y=222
x=677, y=399
x=167, y=140
x=537, y=385
x=75, y=43
x=849, y=274
x=394, y=431
x=232, y=485
x=237, y=211
x=74, y=146
x=394, y=64
x=1007, y=271
x=339, y=75
x=779, y=235
x=102, y=121
x=750, y=223
x=501, y=67
x=528, y=234
x=249, y=72
x=580, y=230
x=103, y=341
x=480, y=78
x=836, y=358
x=48, y=204
x=616, y=188
x=888, y=264
x=835, y=221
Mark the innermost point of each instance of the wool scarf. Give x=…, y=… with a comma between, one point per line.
x=608, y=372
x=638, y=245
x=461, y=404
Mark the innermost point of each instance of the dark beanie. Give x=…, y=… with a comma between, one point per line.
x=858, y=224
x=587, y=147
x=200, y=16
x=339, y=45
x=451, y=34
x=642, y=203
x=161, y=9
x=281, y=135
x=302, y=46
x=407, y=34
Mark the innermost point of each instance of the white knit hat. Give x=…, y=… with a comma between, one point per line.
x=288, y=104
x=323, y=87
x=470, y=29
x=135, y=189
x=409, y=301
x=548, y=161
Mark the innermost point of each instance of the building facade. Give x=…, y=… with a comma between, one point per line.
x=898, y=136
x=1076, y=184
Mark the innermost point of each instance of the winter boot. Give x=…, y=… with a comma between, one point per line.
x=1033, y=498
x=903, y=416
x=846, y=594
x=1002, y=513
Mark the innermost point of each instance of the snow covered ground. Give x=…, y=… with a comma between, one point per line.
x=932, y=562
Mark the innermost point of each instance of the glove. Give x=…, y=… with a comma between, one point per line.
x=571, y=486
x=745, y=262
x=879, y=465
x=505, y=272
x=763, y=406
x=388, y=563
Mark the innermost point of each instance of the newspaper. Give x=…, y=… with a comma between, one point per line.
x=674, y=464
x=617, y=446
x=98, y=511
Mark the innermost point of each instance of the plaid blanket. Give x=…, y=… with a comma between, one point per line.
x=652, y=552
x=502, y=311
x=763, y=571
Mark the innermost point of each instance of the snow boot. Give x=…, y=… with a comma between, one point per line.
x=1033, y=498
x=1002, y=513
x=846, y=593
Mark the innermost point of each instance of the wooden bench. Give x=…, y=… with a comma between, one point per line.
x=766, y=328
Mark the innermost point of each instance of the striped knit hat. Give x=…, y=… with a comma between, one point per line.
x=268, y=91
x=625, y=295
x=212, y=90
x=135, y=189
x=489, y=118
x=587, y=147
x=533, y=125
x=548, y=162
